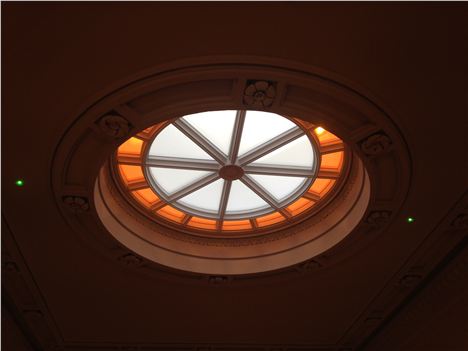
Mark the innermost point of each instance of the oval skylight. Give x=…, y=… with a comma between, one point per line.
x=231, y=164
x=230, y=171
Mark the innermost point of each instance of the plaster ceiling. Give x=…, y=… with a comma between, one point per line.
x=58, y=57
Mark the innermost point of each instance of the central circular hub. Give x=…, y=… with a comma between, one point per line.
x=259, y=95
x=231, y=172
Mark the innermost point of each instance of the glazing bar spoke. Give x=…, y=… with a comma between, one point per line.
x=264, y=195
x=236, y=135
x=224, y=198
x=182, y=163
x=290, y=171
x=200, y=140
x=193, y=187
x=271, y=145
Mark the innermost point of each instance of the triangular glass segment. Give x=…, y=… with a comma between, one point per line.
x=171, y=142
x=278, y=186
x=206, y=198
x=298, y=153
x=243, y=199
x=260, y=127
x=216, y=126
x=171, y=180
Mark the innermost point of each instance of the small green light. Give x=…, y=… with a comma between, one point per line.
x=410, y=219
x=19, y=182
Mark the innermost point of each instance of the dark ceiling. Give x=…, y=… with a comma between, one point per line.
x=407, y=290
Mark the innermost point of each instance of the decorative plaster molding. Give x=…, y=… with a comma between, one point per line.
x=308, y=266
x=432, y=250
x=33, y=314
x=219, y=279
x=76, y=204
x=114, y=126
x=19, y=286
x=378, y=218
x=259, y=94
x=130, y=259
x=410, y=280
x=376, y=144
x=206, y=347
x=306, y=93
x=461, y=221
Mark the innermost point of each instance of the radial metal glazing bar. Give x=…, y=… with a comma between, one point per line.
x=224, y=199
x=193, y=187
x=182, y=163
x=288, y=171
x=269, y=199
x=200, y=140
x=271, y=145
x=236, y=136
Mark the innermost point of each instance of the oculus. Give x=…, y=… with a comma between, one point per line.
x=230, y=171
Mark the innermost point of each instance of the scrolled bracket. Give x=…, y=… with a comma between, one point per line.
x=114, y=126
x=376, y=144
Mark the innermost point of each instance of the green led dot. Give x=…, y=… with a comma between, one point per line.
x=19, y=182
x=410, y=219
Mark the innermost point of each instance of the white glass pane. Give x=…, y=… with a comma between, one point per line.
x=206, y=198
x=298, y=153
x=278, y=186
x=171, y=180
x=241, y=198
x=260, y=127
x=216, y=126
x=171, y=142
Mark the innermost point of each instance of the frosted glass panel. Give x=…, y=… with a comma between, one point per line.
x=216, y=126
x=207, y=198
x=278, y=186
x=171, y=180
x=298, y=152
x=241, y=198
x=260, y=127
x=171, y=142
